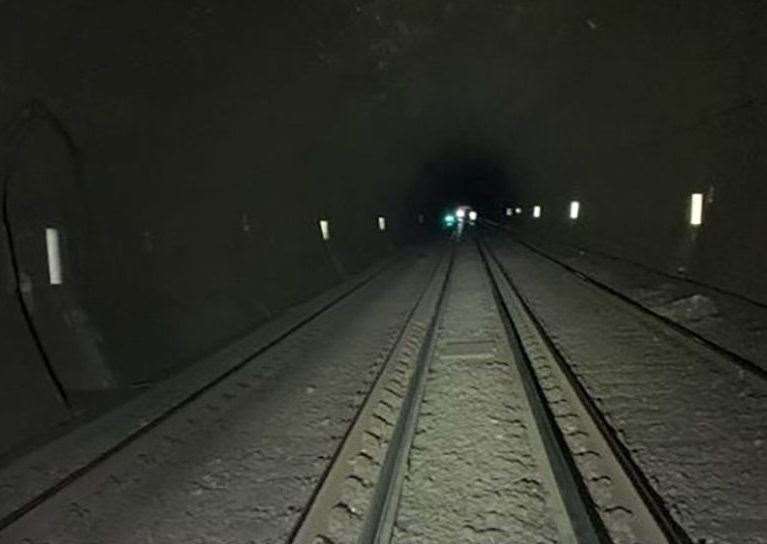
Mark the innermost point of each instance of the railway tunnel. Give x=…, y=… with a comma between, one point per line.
x=234, y=309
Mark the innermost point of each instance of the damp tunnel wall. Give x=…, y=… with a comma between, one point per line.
x=186, y=151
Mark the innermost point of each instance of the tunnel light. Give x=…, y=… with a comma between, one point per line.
x=325, y=229
x=518, y=210
x=536, y=211
x=472, y=215
x=696, y=209
x=460, y=213
x=52, y=243
x=575, y=208
x=381, y=223
x=509, y=212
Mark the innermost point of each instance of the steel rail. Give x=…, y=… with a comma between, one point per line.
x=653, y=501
x=683, y=331
x=385, y=503
x=67, y=480
x=297, y=534
x=580, y=507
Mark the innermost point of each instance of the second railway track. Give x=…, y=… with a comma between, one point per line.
x=474, y=433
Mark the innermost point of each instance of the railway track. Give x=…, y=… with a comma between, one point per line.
x=691, y=335
x=475, y=429
x=476, y=432
x=42, y=486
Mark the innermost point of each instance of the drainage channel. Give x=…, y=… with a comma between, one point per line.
x=457, y=441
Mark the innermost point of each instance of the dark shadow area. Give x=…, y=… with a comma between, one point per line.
x=465, y=175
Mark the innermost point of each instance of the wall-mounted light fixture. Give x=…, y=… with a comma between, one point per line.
x=53, y=246
x=696, y=209
x=325, y=229
x=575, y=208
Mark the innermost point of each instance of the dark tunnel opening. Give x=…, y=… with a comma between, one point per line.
x=461, y=175
x=224, y=228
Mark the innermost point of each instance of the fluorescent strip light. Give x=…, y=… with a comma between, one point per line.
x=325, y=229
x=575, y=208
x=53, y=245
x=696, y=209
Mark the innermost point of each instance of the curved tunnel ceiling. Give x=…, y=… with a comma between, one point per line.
x=210, y=140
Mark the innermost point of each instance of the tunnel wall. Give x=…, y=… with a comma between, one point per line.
x=670, y=102
x=208, y=140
